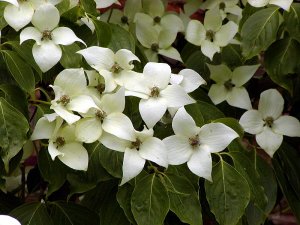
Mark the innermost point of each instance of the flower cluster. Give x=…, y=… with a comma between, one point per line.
x=89, y=107
x=89, y=104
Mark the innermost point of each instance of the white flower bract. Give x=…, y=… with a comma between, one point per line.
x=115, y=68
x=194, y=145
x=156, y=93
x=268, y=124
x=8, y=220
x=62, y=142
x=285, y=4
x=70, y=95
x=229, y=85
x=48, y=36
x=142, y=146
x=212, y=35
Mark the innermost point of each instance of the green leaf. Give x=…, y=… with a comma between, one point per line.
x=124, y=199
x=120, y=39
x=63, y=6
x=184, y=171
x=70, y=59
x=283, y=57
x=68, y=213
x=58, y=213
x=33, y=214
x=95, y=171
x=289, y=158
x=103, y=200
x=228, y=195
x=247, y=169
x=25, y=52
x=164, y=130
x=292, y=21
x=89, y=7
x=52, y=171
x=13, y=131
x=232, y=123
x=203, y=112
x=95, y=198
x=112, y=161
x=247, y=12
x=132, y=110
x=150, y=201
x=287, y=82
x=260, y=31
x=3, y=22
x=21, y=72
x=111, y=212
x=268, y=181
x=103, y=32
x=232, y=56
x=283, y=178
x=72, y=15
x=16, y=97
x=83, y=181
x=184, y=201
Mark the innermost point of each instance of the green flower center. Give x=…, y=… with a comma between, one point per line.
x=100, y=115
x=60, y=141
x=222, y=6
x=46, y=35
x=154, y=92
x=154, y=47
x=156, y=19
x=64, y=100
x=269, y=121
x=194, y=141
x=136, y=144
x=210, y=35
x=229, y=85
x=116, y=68
x=124, y=19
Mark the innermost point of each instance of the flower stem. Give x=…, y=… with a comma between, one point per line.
x=39, y=101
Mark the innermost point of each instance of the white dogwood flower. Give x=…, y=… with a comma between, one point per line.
x=106, y=117
x=155, y=16
x=116, y=68
x=70, y=95
x=62, y=141
x=125, y=17
x=194, y=145
x=229, y=85
x=225, y=7
x=19, y=13
x=156, y=93
x=142, y=146
x=285, y=4
x=157, y=42
x=48, y=36
x=212, y=35
x=5, y=220
x=268, y=124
